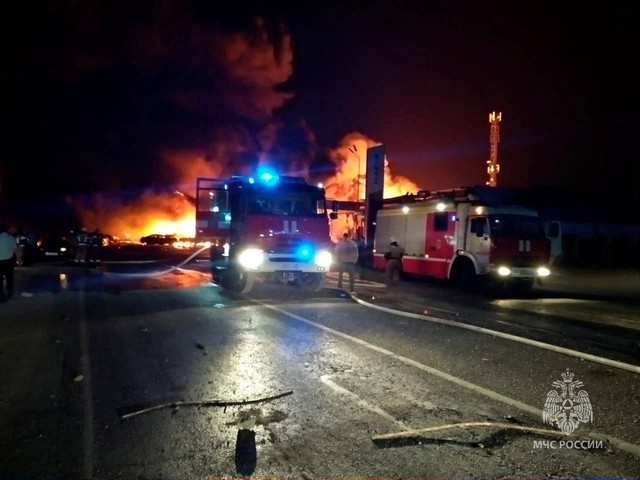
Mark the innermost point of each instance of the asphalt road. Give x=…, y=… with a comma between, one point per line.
x=85, y=352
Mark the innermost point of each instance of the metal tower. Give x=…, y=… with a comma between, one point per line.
x=494, y=138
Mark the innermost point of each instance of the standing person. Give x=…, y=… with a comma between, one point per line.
x=95, y=245
x=347, y=255
x=393, y=267
x=8, y=247
x=22, y=242
x=82, y=244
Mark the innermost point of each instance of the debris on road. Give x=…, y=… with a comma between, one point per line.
x=413, y=436
x=135, y=411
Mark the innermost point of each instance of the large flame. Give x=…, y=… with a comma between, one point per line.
x=163, y=213
x=170, y=213
x=349, y=181
x=173, y=213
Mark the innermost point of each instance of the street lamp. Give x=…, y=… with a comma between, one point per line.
x=353, y=149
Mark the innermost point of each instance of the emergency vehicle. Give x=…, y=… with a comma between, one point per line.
x=464, y=235
x=269, y=227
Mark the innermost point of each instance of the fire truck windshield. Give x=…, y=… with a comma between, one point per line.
x=521, y=225
x=286, y=203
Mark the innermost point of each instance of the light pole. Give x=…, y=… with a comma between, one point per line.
x=353, y=149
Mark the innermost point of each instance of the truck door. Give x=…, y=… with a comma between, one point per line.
x=438, y=248
x=213, y=215
x=478, y=243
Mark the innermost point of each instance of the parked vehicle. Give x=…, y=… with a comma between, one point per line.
x=465, y=235
x=52, y=248
x=158, y=240
x=273, y=227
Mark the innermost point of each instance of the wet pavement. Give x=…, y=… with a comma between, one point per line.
x=85, y=347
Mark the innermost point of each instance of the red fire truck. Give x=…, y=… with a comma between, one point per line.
x=464, y=235
x=271, y=226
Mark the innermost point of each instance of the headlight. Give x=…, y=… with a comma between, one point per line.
x=251, y=258
x=543, y=272
x=63, y=249
x=323, y=259
x=504, y=271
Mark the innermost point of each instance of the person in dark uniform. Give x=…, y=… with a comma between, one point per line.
x=393, y=257
x=95, y=246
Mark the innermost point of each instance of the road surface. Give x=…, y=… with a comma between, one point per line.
x=111, y=373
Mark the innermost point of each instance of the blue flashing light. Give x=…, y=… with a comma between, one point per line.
x=305, y=251
x=227, y=217
x=267, y=175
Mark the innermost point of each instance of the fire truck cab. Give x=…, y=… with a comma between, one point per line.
x=465, y=235
x=273, y=227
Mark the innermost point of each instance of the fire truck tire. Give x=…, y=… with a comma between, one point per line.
x=237, y=281
x=312, y=282
x=463, y=274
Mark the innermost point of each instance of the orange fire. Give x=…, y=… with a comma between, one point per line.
x=349, y=181
x=162, y=213
x=174, y=213
x=170, y=214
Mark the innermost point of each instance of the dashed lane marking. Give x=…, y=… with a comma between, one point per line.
x=618, y=442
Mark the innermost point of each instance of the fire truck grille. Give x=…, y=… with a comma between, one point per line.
x=524, y=262
x=290, y=259
x=286, y=246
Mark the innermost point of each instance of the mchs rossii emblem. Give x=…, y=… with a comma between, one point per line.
x=565, y=408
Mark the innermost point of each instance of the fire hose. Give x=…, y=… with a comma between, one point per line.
x=171, y=268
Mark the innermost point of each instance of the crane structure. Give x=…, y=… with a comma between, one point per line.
x=493, y=168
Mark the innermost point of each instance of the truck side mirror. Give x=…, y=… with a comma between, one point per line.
x=333, y=215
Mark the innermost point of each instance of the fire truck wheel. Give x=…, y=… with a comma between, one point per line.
x=237, y=281
x=463, y=275
x=312, y=282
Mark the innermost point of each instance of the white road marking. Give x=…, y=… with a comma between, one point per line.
x=87, y=392
x=546, y=346
x=618, y=442
x=363, y=403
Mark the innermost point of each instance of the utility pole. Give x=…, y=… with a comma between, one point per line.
x=494, y=138
x=353, y=149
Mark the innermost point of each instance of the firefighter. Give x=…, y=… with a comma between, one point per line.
x=22, y=243
x=95, y=246
x=82, y=242
x=393, y=257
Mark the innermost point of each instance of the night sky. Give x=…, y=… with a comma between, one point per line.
x=117, y=98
